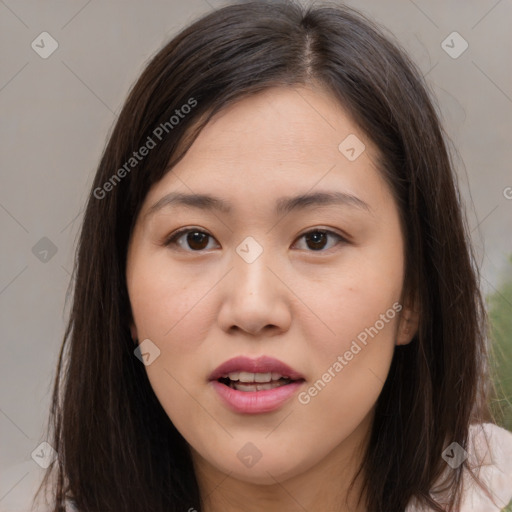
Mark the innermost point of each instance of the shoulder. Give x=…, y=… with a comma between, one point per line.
x=489, y=457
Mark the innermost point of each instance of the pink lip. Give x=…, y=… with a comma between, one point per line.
x=255, y=402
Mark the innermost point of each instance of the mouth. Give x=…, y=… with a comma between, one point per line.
x=255, y=385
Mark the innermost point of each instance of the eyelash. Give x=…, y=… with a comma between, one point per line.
x=172, y=239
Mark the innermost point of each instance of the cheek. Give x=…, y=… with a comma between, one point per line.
x=167, y=304
x=351, y=365
x=359, y=308
x=169, y=311
x=354, y=297
x=171, y=308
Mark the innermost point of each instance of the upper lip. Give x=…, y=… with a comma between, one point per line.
x=263, y=364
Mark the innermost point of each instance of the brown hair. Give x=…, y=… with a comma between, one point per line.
x=117, y=448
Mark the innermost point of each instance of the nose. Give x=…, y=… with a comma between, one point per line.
x=255, y=298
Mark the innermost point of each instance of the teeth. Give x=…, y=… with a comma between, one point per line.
x=242, y=386
x=246, y=377
x=253, y=377
x=262, y=377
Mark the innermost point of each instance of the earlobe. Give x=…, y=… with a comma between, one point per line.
x=409, y=324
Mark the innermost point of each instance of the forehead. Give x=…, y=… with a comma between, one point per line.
x=279, y=142
x=280, y=124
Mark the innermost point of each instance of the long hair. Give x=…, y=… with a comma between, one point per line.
x=117, y=448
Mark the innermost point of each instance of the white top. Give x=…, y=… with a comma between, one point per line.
x=491, y=446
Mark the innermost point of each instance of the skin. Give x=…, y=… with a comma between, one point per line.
x=297, y=304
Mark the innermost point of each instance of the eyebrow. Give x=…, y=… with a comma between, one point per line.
x=283, y=206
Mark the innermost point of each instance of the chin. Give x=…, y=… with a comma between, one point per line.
x=263, y=472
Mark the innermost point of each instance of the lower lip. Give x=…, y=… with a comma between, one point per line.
x=255, y=402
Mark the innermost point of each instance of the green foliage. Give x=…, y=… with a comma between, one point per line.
x=508, y=508
x=499, y=307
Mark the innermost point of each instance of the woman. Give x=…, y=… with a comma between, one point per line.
x=276, y=305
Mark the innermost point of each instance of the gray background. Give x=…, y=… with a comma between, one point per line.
x=56, y=115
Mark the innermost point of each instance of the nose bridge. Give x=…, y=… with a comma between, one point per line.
x=250, y=262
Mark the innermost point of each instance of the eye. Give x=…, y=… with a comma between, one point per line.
x=316, y=238
x=197, y=240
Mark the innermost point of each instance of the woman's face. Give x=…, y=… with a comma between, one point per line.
x=309, y=289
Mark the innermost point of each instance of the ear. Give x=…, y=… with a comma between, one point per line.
x=409, y=322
